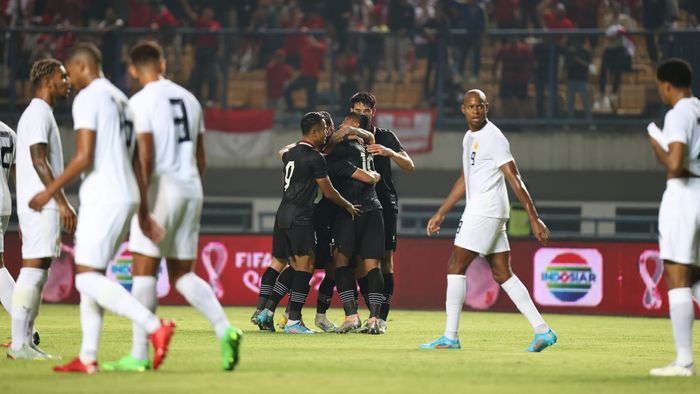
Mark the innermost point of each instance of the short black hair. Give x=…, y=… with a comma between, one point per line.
x=145, y=52
x=365, y=98
x=42, y=69
x=675, y=71
x=87, y=49
x=309, y=121
x=363, y=120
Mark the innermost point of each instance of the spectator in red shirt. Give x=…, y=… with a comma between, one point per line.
x=556, y=18
x=346, y=64
x=515, y=58
x=312, y=51
x=205, y=56
x=164, y=26
x=277, y=74
x=506, y=13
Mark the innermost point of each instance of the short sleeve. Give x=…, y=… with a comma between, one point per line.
x=500, y=152
x=394, y=143
x=676, y=126
x=142, y=115
x=85, y=112
x=36, y=130
x=200, y=124
x=319, y=169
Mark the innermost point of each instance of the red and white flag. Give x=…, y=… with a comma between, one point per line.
x=238, y=134
x=414, y=128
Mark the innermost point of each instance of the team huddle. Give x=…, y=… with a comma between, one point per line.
x=141, y=161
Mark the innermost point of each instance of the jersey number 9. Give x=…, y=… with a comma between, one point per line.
x=288, y=172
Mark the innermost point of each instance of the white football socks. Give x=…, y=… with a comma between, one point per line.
x=25, y=304
x=113, y=297
x=198, y=293
x=143, y=288
x=91, y=323
x=680, y=305
x=454, y=299
x=7, y=286
x=518, y=293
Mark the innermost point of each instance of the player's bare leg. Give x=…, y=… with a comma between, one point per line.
x=267, y=283
x=26, y=300
x=98, y=293
x=454, y=299
x=516, y=290
x=303, y=270
x=680, y=304
x=201, y=296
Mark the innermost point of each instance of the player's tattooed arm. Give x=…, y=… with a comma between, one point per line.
x=82, y=160
x=284, y=150
x=456, y=194
x=349, y=132
x=40, y=161
x=332, y=195
x=512, y=175
x=673, y=160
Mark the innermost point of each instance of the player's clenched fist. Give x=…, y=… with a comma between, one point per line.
x=540, y=230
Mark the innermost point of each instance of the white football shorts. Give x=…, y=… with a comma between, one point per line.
x=41, y=234
x=482, y=234
x=101, y=229
x=679, y=221
x=179, y=213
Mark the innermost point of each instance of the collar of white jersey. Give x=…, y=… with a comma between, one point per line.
x=486, y=126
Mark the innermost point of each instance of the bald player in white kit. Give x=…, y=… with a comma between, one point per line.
x=109, y=196
x=169, y=125
x=677, y=147
x=487, y=165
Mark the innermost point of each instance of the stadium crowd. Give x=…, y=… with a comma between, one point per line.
x=406, y=49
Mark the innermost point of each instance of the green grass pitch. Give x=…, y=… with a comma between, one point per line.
x=594, y=355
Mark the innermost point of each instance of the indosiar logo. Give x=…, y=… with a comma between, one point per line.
x=568, y=277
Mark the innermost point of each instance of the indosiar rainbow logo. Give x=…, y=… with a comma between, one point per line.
x=568, y=277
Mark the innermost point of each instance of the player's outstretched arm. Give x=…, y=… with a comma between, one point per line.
x=456, y=194
x=364, y=176
x=82, y=160
x=332, y=194
x=401, y=158
x=673, y=159
x=539, y=229
x=40, y=161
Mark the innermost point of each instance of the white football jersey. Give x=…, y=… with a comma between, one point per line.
x=682, y=124
x=483, y=153
x=174, y=117
x=7, y=153
x=103, y=108
x=36, y=126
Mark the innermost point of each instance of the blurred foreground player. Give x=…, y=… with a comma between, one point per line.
x=169, y=127
x=678, y=148
x=7, y=143
x=109, y=197
x=487, y=164
x=293, y=237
